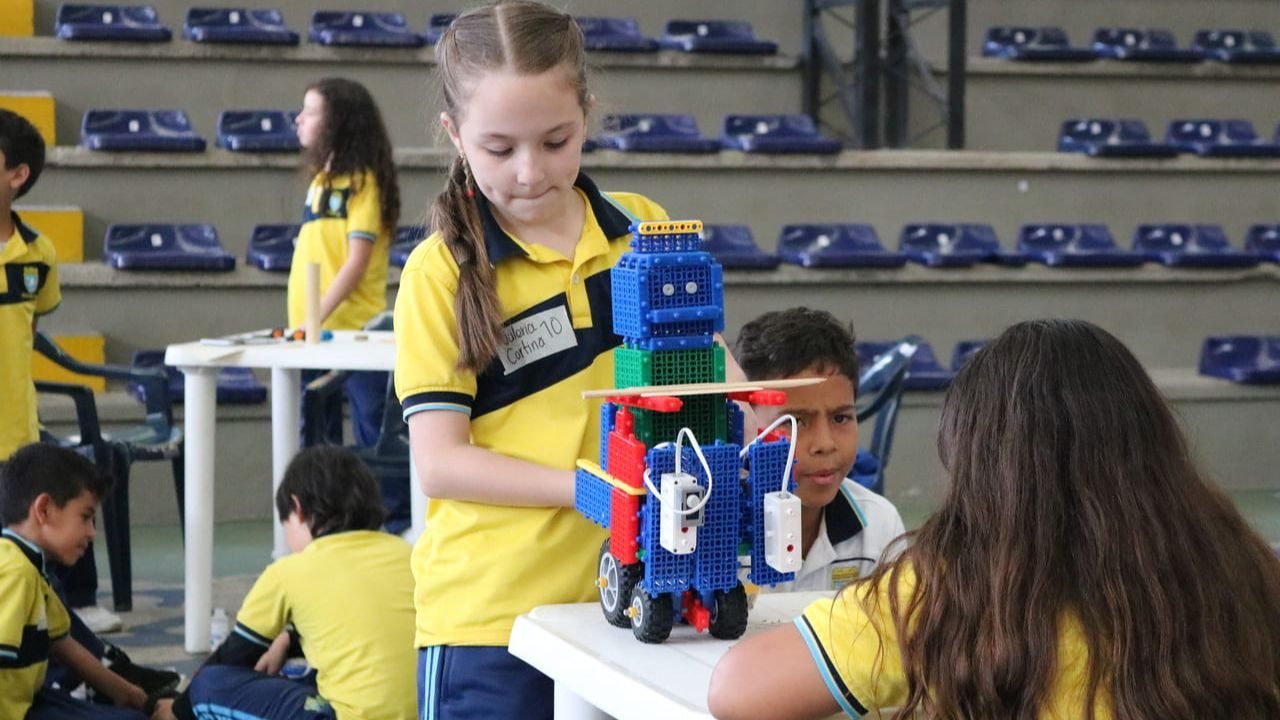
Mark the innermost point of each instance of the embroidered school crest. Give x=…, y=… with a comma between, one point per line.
x=31, y=279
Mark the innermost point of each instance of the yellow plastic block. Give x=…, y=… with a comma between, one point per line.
x=89, y=347
x=17, y=18
x=34, y=105
x=62, y=224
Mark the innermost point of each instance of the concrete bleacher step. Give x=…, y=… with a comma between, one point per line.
x=83, y=346
x=221, y=77
x=62, y=224
x=37, y=106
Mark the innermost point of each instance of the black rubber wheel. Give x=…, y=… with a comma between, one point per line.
x=650, y=616
x=729, y=616
x=615, y=582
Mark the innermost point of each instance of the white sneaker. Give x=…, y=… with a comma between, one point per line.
x=99, y=619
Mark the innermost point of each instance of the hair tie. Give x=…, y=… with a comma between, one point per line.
x=471, y=193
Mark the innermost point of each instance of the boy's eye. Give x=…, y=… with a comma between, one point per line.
x=843, y=418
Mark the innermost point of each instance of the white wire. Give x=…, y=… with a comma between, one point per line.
x=791, y=450
x=697, y=450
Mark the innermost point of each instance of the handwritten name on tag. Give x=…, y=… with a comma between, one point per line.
x=537, y=336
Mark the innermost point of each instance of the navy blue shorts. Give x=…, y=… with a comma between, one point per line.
x=475, y=683
x=55, y=705
x=228, y=692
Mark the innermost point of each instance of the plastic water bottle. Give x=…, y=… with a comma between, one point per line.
x=218, y=627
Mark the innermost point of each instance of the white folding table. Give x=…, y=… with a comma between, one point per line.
x=601, y=671
x=199, y=362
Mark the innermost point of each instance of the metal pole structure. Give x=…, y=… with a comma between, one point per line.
x=957, y=69
x=811, y=90
x=896, y=80
x=867, y=72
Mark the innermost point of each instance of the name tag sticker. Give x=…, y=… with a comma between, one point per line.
x=532, y=338
x=842, y=575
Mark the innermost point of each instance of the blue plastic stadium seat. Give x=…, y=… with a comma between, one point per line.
x=775, y=134
x=735, y=248
x=144, y=130
x=136, y=23
x=436, y=25
x=615, y=34
x=1190, y=246
x=1142, y=45
x=715, y=36
x=964, y=350
x=1249, y=359
x=1219, y=138
x=845, y=245
x=407, y=238
x=257, y=131
x=924, y=372
x=377, y=29
x=271, y=247
x=1264, y=241
x=1098, y=137
x=236, y=385
x=1074, y=246
x=954, y=245
x=166, y=247
x=643, y=132
x=241, y=26
x=1033, y=43
x=1237, y=46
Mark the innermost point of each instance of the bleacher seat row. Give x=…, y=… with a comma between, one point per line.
x=358, y=28
x=1103, y=137
x=1051, y=44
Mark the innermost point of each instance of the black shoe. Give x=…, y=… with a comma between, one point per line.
x=155, y=683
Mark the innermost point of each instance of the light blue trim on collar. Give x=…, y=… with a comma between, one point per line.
x=28, y=545
x=857, y=509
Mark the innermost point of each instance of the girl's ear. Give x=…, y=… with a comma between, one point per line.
x=451, y=128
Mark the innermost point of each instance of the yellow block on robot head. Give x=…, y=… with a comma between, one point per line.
x=669, y=227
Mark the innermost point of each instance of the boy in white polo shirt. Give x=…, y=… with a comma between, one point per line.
x=845, y=528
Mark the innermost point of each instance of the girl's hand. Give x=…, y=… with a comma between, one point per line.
x=273, y=659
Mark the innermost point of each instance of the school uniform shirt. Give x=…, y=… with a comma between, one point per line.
x=478, y=566
x=28, y=289
x=349, y=595
x=31, y=617
x=857, y=526
x=864, y=674
x=350, y=210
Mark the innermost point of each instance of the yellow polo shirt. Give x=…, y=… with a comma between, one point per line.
x=348, y=595
x=478, y=566
x=330, y=220
x=31, y=616
x=28, y=289
x=864, y=677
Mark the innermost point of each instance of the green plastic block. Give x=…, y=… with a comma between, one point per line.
x=634, y=367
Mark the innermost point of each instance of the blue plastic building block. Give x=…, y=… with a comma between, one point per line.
x=846, y=245
x=436, y=25
x=235, y=385
x=1097, y=137
x=715, y=36
x=776, y=134
x=924, y=372
x=1246, y=359
x=240, y=26
x=1142, y=45
x=592, y=497
x=737, y=424
x=765, y=463
x=407, y=238
x=1237, y=46
x=965, y=349
x=363, y=29
x=1074, y=246
x=271, y=247
x=257, y=131
x=646, y=132
x=668, y=301
x=139, y=130
x=734, y=247
x=134, y=23
x=166, y=247
x=607, y=416
x=716, y=557
x=615, y=34
x=1032, y=43
x=664, y=571
x=1219, y=138
x=1264, y=241
x=1190, y=246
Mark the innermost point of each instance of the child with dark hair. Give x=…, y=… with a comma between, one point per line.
x=1080, y=566
x=48, y=498
x=845, y=528
x=345, y=595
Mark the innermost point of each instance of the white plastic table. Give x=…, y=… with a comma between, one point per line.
x=602, y=671
x=348, y=350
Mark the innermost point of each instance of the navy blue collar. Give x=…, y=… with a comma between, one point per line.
x=500, y=246
x=842, y=517
x=30, y=549
x=28, y=235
